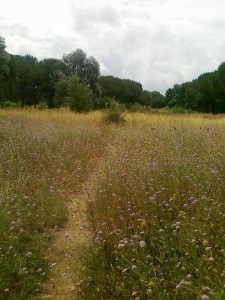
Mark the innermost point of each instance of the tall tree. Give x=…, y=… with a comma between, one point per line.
x=4, y=58
x=24, y=78
x=86, y=68
x=124, y=90
x=51, y=69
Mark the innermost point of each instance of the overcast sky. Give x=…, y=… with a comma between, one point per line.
x=155, y=42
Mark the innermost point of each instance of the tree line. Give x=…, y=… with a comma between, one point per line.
x=204, y=94
x=75, y=81
x=72, y=81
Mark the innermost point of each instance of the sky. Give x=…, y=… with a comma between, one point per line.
x=156, y=42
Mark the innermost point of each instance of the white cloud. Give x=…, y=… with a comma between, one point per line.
x=156, y=42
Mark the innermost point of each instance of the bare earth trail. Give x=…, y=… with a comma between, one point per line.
x=65, y=253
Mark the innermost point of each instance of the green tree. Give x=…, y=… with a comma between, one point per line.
x=153, y=99
x=52, y=70
x=86, y=68
x=207, y=89
x=124, y=90
x=23, y=80
x=4, y=69
x=79, y=95
x=4, y=58
x=60, y=98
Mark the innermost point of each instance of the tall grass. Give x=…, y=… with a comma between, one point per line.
x=44, y=158
x=159, y=215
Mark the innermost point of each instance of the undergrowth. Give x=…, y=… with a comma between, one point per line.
x=43, y=161
x=159, y=214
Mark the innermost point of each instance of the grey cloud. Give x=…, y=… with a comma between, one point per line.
x=92, y=15
x=16, y=29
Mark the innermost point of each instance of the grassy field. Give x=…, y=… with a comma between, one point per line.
x=158, y=216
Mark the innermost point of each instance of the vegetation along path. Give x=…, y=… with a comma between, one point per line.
x=67, y=248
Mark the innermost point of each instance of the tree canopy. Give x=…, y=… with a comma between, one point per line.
x=4, y=58
x=86, y=68
x=204, y=94
x=59, y=82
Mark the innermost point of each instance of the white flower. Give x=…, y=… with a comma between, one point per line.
x=142, y=244
x=29, y=254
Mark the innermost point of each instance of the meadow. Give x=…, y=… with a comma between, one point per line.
x=157, y=218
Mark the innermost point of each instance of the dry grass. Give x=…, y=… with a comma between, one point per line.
x=45, y=158
x=157, y=217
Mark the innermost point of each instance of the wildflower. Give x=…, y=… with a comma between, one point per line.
x=208, y=248
x=134, y=267
x=142, y=244
x=24, y=271
x=125, y=270
x=211, y=259
x=53, y=265
x=149, y=291
x=206, y=289
x=29, y=254
x=204, y=297
x=39, y=270
x=21, y=231
x=121, y=245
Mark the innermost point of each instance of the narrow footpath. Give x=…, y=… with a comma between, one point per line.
x=66, y=251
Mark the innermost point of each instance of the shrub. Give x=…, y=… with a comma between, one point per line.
x=8, y=103
x=79, y=95
x=114, y=114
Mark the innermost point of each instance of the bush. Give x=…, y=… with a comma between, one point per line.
x=8, y=103
x=42, y=105
x=79, y=95
x=114, y=114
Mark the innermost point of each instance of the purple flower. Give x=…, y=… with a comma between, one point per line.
x=121, y=245
x=142, y=244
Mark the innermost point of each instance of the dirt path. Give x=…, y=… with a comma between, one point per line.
x=65, y=254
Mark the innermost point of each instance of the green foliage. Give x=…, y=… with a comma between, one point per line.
x=4, y=58
x=114, y=114
x=24, y=78
x=60, y=99
x=52, y=71
x=129, y=92
x=124, y=90
x=42, y=105
x=9, y=104
x=153, y=99
x=86, y=68
x=79, y=95
x=104, y=102
x=204, y=94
